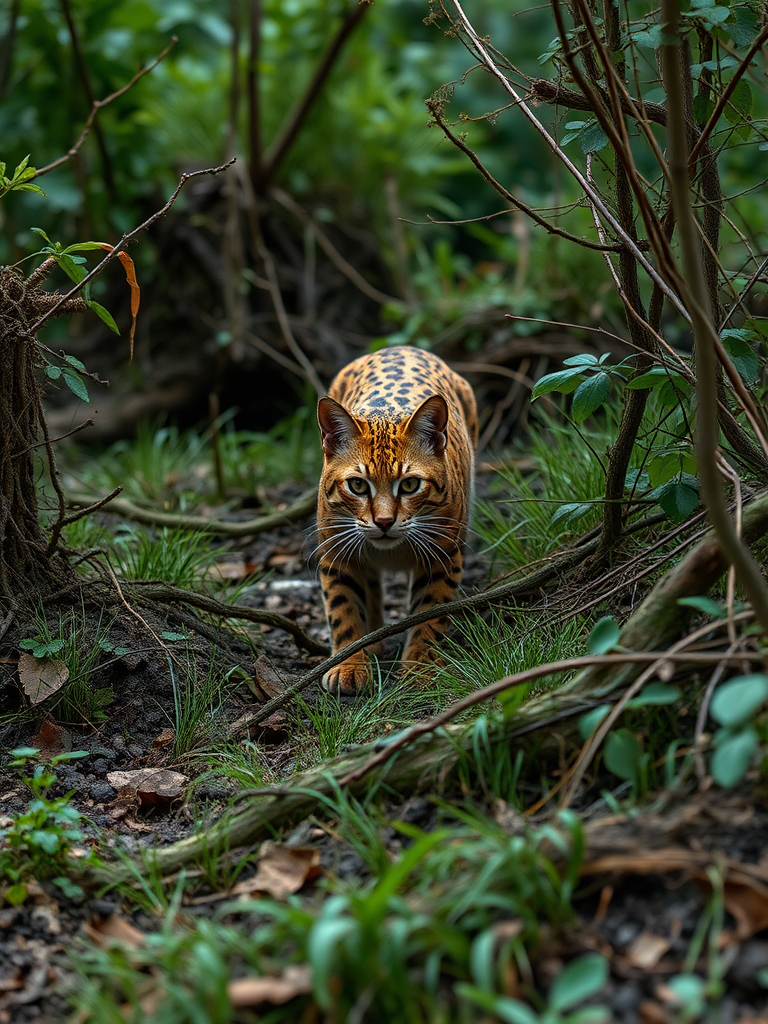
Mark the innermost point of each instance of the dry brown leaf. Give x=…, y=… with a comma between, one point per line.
x=747, y=902
x=41, y=677
x=114, y=928
x=294, y=981
x=232, y=569
x=646, y=951
x=164, y=739
x=153, y=786
x=51, y=739
x=281, y=870
x=266, y=683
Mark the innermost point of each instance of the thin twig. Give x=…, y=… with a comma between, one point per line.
x=123, y=243
x=519, y=679
x=98, y=105
x=165, y=593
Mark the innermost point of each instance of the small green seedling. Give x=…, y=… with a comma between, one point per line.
x=38, y=842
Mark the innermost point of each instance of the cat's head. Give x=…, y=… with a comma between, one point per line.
x=382, y=478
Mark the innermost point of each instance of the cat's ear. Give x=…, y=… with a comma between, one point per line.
x=428, y=423
x=337, y=427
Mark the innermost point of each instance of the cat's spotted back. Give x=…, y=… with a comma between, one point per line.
x=399, y=430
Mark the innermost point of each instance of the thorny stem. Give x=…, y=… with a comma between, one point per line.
x=705, y=337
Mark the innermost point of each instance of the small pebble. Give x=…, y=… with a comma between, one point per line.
x=103, y=793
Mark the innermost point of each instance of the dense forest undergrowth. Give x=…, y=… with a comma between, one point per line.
x=565, y=820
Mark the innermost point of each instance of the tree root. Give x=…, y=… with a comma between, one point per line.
x=163, y=593
x=433, y=748
x=303, y=506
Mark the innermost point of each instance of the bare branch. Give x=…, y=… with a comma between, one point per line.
x=98, y=105
x=706, y=340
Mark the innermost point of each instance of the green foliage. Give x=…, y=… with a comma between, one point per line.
x=484, y=651
x=175, y=556
x=604, y=636
x=400, y=941
x=197, y=701
x=82, y=647
x=738, y=708
x=389, y=706
x=20, y=181
x=38, y=842
x=563, y=488
x=583, y=978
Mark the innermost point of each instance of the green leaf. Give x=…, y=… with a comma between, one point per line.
x=16, y=894
x=582, y=978
x=24, y=752
x=622, y=754
x=590, y=721
x=503, y=1008
x=593, y=139
x=655, y=693
x=105, y=315
x=746, y=361
x=325, y=936
x=47, y=841
x=563, y=381
x=172, y=636
x=690, y=989
x=737, y=701
x=571, y=512
x=733, y=755
x=74, y=361
x=740, y=105
x=653, y=378
x=75, y=383
x=52, y=372
x=71, y=267
x=678, y=500
x=590, y=395
x=39, y=231
x=604, y=636
x=583, y=359
x=703, y=604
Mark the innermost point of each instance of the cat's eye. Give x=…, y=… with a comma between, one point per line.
x=357, y=485
x=409, y=485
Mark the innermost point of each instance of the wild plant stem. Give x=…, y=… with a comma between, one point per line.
x=705, y=337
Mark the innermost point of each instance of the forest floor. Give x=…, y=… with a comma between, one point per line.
x=672, y=890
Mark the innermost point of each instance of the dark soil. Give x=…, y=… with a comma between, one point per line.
x=623, y=914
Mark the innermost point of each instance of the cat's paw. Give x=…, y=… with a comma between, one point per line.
x=419, y=663
x=348, y=678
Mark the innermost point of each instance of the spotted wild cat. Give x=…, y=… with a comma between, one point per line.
x=399, y=430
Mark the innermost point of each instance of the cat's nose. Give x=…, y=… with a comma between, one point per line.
x=383, y=522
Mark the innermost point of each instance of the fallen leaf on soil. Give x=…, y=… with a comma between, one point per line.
x=233, y=569
x=652, y=1013
x=266, y=683
x=164, y=739
x=281, y=870
x=271, y=731
x=294, y=981
x=747, y=902
x=51, y=739
x=646, y=951
x=153, y=786
x=41, y=677
x=106, y=930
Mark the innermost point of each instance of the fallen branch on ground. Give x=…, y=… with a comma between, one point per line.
x=164, y=593
x=303, y=506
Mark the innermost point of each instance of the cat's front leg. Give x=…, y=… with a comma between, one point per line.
x=431, y=587
x=347, y=605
